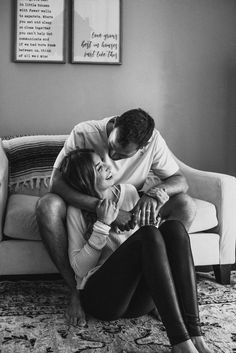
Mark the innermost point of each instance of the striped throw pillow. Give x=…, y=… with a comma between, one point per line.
x=31, y=159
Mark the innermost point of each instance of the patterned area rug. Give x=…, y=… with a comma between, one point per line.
x=32, y=320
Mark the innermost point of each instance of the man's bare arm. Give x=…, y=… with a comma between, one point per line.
x=174, y=184
x=71, y=196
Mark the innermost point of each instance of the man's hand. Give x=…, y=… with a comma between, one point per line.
x=147, y=209
x=123, y=221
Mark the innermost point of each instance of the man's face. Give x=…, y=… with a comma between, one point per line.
x=116, y=151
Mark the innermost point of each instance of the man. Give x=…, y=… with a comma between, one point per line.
x=132, y=147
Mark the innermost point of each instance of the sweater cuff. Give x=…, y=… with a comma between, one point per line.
x=99, y=235
x=101, y=227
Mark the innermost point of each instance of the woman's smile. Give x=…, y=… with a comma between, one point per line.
x=109, y=176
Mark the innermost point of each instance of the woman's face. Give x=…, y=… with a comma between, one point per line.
x=103, y=176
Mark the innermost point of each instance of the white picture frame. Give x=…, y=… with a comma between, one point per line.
x=39, y=31
x=96, y=31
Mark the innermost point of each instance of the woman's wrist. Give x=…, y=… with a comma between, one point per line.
x=159, y=194
x=102, y=221
x=153, y=192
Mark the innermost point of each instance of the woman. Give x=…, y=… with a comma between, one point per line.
x=129, y=274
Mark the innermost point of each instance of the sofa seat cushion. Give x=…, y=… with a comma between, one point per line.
x=20, y=221
x=25, y=257
x=206, y=217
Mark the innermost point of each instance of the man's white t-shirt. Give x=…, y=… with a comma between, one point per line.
x=155, y=156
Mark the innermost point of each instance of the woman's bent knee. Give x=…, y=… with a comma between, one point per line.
x=151, y=234
x=175, y=232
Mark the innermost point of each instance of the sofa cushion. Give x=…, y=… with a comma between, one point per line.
x=206, y=217
x=31, y=159
x=20, y=221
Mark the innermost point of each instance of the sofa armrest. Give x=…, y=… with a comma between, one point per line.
x=219, y=189
x=3, y=186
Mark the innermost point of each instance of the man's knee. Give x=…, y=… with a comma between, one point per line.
x=180, y=207
x=185, y=204
x=50, y=206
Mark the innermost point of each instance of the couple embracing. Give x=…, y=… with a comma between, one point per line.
x=123, y=252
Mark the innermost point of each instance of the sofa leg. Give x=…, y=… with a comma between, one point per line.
x=222, y=273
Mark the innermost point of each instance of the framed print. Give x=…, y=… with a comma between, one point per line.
x=39, y=31
x=96, y=31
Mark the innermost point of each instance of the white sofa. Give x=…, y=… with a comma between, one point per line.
x=215, y=246
x=25, y=167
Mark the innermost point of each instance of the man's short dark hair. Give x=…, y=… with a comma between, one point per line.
x=135, y=126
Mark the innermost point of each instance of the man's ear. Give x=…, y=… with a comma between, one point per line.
x=111, y=125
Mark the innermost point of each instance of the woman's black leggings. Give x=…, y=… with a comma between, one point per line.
x=154, y=267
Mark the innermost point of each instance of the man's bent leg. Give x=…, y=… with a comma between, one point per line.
x=51, y=218
x=180, y=207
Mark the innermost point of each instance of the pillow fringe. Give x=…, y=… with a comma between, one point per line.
x=34, y=182
x=46, y=181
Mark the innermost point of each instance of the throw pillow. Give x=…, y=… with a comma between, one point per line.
x=31, y=159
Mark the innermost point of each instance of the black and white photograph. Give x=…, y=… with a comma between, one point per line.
x=118, y=176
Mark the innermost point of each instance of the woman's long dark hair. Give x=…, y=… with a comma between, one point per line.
x=77, y=169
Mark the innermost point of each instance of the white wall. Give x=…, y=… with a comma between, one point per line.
x=178, y=63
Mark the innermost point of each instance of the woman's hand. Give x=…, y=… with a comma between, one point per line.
x=159, y=194
x=107, y=211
